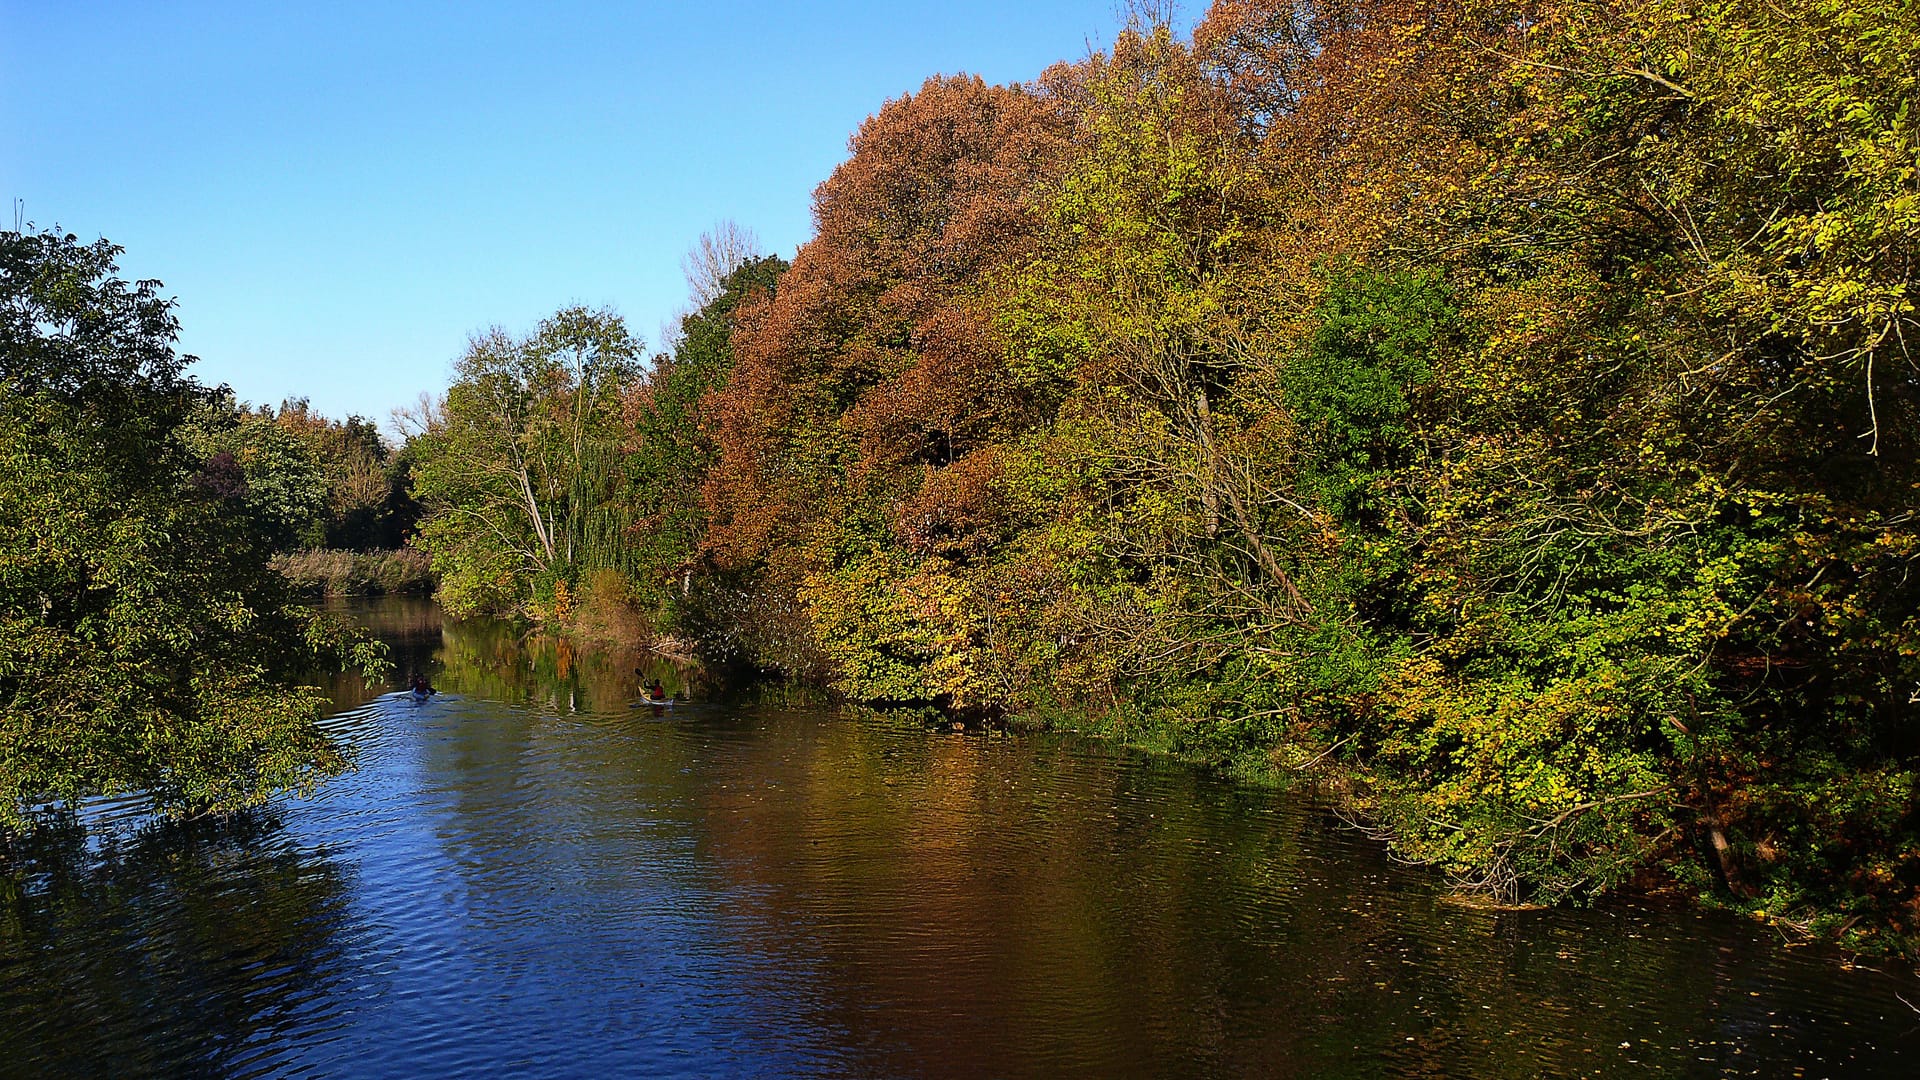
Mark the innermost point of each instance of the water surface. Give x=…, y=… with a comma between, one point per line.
x=528, y=877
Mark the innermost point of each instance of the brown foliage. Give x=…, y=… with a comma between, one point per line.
x=1261, y=54
x=958, y=511
x=870, y=359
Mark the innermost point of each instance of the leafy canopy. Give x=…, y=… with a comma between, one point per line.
x=145, y=646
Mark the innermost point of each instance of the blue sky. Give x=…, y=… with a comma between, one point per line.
x=338, y=194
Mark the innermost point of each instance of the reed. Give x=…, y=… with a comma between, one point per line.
x=404, y=571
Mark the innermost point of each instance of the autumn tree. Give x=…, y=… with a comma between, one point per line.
x=1651, y=455
x=874, y=367
x=669, y=450
x=1506, y=408
x=368, y=506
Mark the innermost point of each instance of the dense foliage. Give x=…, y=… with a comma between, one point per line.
x=669, y=451
x=516, y=466
x=1505, y=411
x=145, y=646
x=319, y=482
x=368, y=501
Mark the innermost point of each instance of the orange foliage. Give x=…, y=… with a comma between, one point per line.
x=871, y=364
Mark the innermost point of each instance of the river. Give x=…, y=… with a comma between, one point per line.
x=526, y=876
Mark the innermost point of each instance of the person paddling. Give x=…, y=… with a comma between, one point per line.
x=656, y=692
x=421, y=686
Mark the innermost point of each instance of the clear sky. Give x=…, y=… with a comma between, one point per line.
x=340, y=193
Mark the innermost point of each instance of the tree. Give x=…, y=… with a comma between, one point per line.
x=1651, y=544
x=873, y=367
x=714, y=257
x=368, y=506
x=287, y=489
x=670, y=449
x=517, y=466
x=145, y=645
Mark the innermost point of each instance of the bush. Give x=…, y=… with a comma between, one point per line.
x=604, y=610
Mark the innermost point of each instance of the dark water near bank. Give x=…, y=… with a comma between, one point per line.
x=526, y=877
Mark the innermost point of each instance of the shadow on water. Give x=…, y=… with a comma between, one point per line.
x=971, y=905
x=167, y=949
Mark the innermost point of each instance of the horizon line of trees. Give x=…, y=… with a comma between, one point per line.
x=325, y=483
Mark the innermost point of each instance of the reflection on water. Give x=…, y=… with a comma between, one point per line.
x=503, y=662
x=173, y=950
x=526, y=876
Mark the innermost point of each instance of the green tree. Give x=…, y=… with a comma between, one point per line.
x=286, y=484
x=670, y=448
x=368, y=505
x=518, y=466
x=145, y=646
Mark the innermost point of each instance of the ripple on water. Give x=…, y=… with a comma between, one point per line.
x=542, y=890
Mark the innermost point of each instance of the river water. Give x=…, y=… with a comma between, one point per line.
x=528, y=877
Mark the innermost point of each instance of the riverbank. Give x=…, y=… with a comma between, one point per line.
x=1366, y=804
x=1680, y=865
x=323, y=572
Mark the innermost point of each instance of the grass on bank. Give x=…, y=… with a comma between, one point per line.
x=401, y=572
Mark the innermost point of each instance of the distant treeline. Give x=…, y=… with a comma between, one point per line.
x=1505, y=412
x=323, y=483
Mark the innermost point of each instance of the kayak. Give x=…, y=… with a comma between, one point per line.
x=659, y=703
x=419, y=696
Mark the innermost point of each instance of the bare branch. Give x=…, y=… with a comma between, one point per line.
x=717, y=253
